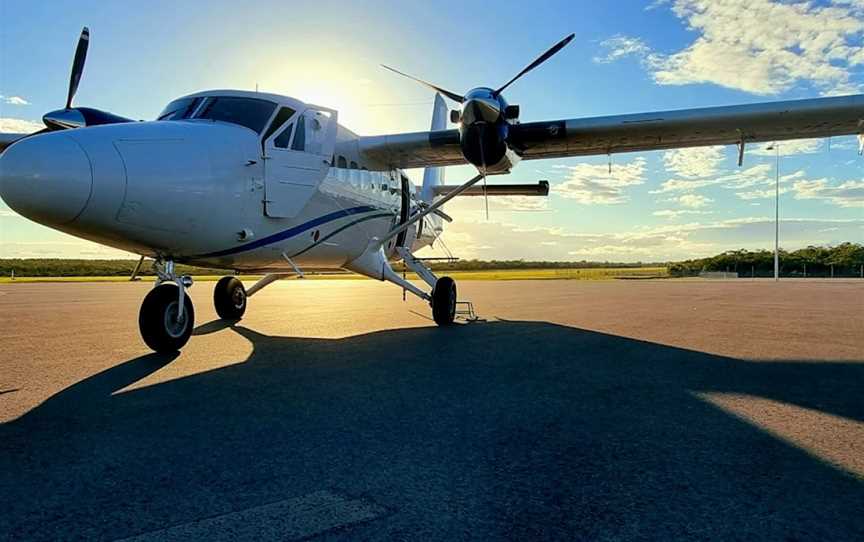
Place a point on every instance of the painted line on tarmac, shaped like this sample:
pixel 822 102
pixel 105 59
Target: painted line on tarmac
pixel 290 519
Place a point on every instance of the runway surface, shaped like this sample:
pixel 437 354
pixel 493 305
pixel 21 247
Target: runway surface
pixel 620 410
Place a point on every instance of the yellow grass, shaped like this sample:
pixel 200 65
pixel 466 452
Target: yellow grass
pixel 500 274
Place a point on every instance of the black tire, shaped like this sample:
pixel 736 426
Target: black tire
pixel 158 321
pixel 229 297
pixel 444 301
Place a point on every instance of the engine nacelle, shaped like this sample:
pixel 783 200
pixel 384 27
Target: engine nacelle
pixel 484 130
pixel 80 117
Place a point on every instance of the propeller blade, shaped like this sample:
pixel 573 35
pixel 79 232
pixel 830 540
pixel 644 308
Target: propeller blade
pixel 540 60
pixel 78 65
pixel 452 95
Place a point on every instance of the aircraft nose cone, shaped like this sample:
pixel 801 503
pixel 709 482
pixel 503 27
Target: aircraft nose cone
pixel 47 178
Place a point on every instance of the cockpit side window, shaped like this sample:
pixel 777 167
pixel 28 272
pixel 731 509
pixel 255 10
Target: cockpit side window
pixel 300 135
pixel 179 109
pixel 252 113
pixel 284 138
pixel 282 117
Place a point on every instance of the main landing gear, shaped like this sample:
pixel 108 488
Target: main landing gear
pixel 444 301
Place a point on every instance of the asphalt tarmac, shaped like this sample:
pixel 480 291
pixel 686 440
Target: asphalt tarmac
pixel 620 410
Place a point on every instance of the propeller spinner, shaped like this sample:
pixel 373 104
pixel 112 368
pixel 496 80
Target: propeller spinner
pixel 484 116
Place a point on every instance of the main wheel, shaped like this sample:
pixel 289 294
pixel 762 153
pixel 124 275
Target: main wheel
pixel 159 319
pixel 229 296
pixel 444 301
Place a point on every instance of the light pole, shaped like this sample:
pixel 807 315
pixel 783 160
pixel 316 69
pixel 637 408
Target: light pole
pixel 776 147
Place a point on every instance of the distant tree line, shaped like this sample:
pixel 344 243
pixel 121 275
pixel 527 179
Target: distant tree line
pixel 484 265
pixel 843 260
pixel 58 267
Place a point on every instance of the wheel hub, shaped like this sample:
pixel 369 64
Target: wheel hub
pixel 238 297
pixel 175 324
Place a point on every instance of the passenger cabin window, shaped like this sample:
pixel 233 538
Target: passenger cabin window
pixel 341 162
pixel 179 109
pixel 300 136
pixel 253 113
pixel 283 139
pixel 282 117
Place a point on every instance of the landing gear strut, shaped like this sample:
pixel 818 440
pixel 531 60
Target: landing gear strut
pixel 166 318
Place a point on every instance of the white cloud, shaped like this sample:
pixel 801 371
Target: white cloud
pixel 694 201
pixel 759 46
pixel 694 162
pixel 618 47
pixel 760 194
pixel 19 126
pixel 592 183
pixel 758 174
pixel 14 100
pixel 846 194
pixel 672 214
pixel 671 241
pixel 519 203
pixel 75 248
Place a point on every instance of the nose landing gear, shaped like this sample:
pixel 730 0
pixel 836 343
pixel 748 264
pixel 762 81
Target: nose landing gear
pixel 166 318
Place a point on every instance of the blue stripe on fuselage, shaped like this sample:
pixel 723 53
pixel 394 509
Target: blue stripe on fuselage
pixel 290 232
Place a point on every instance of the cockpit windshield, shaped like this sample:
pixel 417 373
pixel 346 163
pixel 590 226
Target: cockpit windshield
pixel 249 112
pixel 179 109
pixel 253 113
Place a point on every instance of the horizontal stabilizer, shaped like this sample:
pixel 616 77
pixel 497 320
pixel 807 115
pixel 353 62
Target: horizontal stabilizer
pixel 539 189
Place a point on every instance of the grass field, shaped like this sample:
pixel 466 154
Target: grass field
pixel 499 274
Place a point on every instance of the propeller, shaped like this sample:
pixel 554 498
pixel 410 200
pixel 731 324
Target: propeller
pixel 78 65
pixel 452 95
pixel 540 60
pixel 461 99
pixel 68 117
pixel 485 117
pixel 78 117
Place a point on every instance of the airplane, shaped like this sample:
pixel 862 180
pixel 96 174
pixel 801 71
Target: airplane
pixel 263 183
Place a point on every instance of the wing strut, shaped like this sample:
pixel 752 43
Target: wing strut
pixel 431 209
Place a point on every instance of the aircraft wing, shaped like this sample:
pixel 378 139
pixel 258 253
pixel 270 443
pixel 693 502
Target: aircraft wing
pixel 773 121
pixel 8 139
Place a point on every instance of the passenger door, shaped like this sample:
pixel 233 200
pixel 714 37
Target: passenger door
pixel 296 159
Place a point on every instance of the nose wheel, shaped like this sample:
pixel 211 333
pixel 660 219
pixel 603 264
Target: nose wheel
pixel 229 297
pixel 444 301
pixel 163 325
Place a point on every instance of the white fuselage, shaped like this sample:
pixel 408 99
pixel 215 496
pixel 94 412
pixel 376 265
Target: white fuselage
pixel 198 191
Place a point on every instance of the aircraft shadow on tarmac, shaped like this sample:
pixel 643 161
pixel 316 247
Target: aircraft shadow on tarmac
pixel 506 429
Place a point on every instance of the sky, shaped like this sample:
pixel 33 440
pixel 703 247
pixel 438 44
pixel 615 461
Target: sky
pixel 626 57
